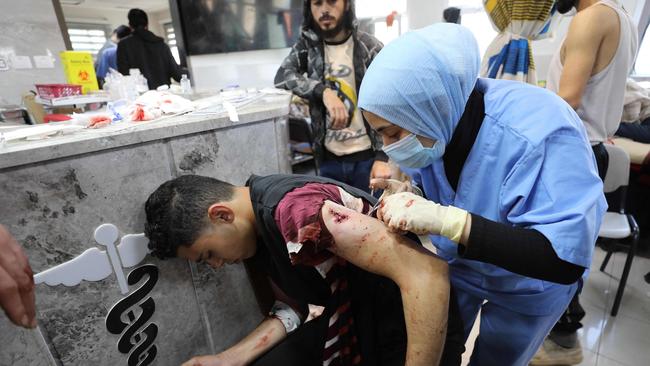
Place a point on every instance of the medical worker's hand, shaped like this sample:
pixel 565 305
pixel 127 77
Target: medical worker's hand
pixel 337 110
pixel 409 212
pixel 391 186
pixel 380 169
pixel 16 282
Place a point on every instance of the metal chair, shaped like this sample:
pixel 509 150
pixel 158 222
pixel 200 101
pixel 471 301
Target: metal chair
pixel 300 132
pixel 618 225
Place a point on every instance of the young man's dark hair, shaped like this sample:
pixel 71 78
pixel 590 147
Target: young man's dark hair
pixel 309 238
pixel 138 18
pixel 176 212
pixel 326 67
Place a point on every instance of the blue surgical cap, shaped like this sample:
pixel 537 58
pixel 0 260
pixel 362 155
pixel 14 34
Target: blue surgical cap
pixel 422 80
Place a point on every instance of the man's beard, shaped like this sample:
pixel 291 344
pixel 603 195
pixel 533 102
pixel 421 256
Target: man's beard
pixel 564 6
pixel 332 32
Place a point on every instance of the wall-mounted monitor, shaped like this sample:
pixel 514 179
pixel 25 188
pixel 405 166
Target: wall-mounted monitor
pixel 216 26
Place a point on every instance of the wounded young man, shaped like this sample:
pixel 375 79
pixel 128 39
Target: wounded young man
pixel 367 289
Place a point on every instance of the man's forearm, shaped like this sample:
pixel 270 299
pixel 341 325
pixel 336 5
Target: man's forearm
pixel 299 84
pixel 291 76
pixel 426 305
pixel 269 333
pixel 424 284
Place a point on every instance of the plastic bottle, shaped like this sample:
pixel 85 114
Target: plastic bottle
pixel 186 85
pixel 139 81
pixel 143 85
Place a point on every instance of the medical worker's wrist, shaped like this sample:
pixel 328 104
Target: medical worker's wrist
pixel 467 230
pixel 454 223
pixel 381 156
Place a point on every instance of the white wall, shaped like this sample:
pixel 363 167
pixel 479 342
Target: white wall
pixel 421 13
pixel 29 28
pixel 111 17
pixel 156 21
pixel 114 17
pixel 246 69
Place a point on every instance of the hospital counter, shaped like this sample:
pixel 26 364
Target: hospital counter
pixel 138 309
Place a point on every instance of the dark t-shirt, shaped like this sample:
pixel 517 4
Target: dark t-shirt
pixel 294 243
pixel 298 218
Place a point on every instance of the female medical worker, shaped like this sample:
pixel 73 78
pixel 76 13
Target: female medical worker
pixel 513 200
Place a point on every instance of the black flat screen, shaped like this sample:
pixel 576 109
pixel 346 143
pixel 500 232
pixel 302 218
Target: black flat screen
pixel 216 26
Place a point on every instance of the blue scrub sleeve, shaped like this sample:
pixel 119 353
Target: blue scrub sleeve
pixel 555 189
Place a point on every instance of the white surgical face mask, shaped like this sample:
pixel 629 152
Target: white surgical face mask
pixel 410 153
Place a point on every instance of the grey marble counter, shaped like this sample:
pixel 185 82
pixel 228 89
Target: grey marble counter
pixel 124 134
pixel 55 192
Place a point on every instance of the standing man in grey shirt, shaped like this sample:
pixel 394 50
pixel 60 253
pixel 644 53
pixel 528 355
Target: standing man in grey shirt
pixel 589 72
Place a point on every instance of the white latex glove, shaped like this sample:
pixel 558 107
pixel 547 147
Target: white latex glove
pixel 409 212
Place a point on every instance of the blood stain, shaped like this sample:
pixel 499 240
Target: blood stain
pixel 338 217
pixel 264 340
pixel 373 257
pixel 409 203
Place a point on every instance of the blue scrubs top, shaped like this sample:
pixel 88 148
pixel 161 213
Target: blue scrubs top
pixel 531 164
pixel 108 59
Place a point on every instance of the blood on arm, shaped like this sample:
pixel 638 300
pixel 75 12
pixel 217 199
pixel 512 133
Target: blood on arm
pixel 422 278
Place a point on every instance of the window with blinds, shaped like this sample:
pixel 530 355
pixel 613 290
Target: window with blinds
pixel 88 37
pixel 170 38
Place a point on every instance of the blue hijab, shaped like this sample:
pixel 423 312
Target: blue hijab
pixel 422 80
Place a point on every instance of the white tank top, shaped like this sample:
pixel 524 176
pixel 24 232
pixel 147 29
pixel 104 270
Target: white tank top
pixel 601 106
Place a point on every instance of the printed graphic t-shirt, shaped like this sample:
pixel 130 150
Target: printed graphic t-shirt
pixel 339 76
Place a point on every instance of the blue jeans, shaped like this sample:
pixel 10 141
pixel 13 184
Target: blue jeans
pixel 635 131
pixel 356 174
pixel 506 337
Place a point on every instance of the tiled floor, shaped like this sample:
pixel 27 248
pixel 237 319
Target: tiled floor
pixel 623 340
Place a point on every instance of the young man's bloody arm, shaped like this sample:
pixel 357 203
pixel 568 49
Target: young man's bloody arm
pixel 269 333
pixel 422 278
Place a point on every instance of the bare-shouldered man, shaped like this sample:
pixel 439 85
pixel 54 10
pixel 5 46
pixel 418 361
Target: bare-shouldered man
pixel 589 72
